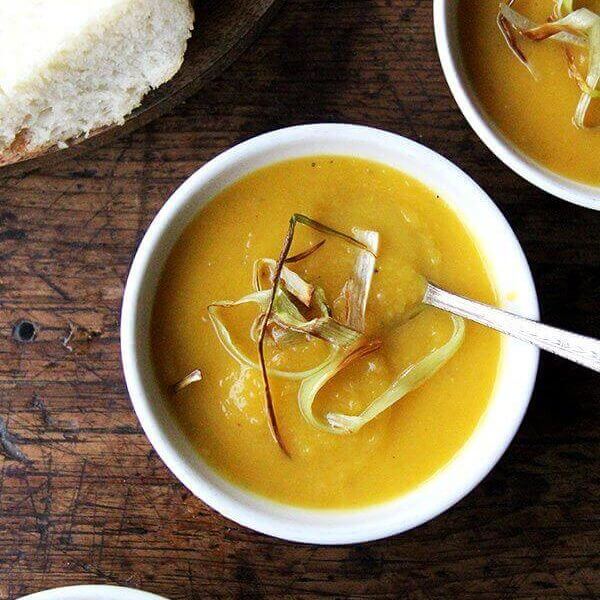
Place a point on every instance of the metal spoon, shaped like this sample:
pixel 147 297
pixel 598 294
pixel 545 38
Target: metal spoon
pixel 579 348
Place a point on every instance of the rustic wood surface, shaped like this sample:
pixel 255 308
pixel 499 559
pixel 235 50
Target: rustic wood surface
pixel 84 498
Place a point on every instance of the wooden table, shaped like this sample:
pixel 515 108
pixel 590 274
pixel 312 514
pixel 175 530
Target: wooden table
pixel 85 499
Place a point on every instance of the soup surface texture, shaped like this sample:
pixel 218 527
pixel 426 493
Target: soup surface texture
pixel 224 416
pixel 536 115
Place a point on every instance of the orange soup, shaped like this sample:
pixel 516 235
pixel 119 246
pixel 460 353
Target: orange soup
pixel 534 110
pixel 224 413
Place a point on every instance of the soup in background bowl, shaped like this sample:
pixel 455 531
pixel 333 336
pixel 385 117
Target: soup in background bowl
pixel 521 96
pixel 413 459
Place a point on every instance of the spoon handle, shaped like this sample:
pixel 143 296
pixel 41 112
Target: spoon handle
pixel 572 346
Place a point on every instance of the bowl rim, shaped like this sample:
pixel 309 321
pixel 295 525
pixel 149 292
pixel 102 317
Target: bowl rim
pixel 91 592
pixel 444 488
pixel 448 50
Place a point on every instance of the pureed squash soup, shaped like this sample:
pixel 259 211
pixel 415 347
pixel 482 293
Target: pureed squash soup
pixel 528 88
pixel 360 340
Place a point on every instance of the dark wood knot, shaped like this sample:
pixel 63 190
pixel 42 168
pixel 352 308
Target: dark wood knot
pixel 24 331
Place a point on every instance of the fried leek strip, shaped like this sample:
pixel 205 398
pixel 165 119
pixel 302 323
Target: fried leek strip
pixel 569 27
pixel 292 309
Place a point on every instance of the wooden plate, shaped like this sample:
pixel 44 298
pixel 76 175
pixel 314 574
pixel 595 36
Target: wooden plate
pixel 222 30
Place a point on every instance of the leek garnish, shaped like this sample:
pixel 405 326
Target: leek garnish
pixel 292 281
pixel 567 5
pixel 410 379
pixel 593 76
pixel 356 291
pixel 287 244
pixel 507 28
pixel 292 309
pixel 270 409
pixel 190 378
pixel 570 27
pixel 261 298
pixel 305 254
pixel 575 73
pixel 284 337
pixel 286 315
pixel 310 386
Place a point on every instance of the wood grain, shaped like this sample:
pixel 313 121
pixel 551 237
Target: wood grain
pixel 92 503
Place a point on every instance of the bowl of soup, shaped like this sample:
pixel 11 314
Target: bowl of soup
pixel 520 71
pixel 276 351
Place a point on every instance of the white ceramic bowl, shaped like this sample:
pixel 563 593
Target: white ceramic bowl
pixel 446 37
pixel 92 592
pixel 491 437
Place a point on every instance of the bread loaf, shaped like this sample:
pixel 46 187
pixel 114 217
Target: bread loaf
pixel 68 67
